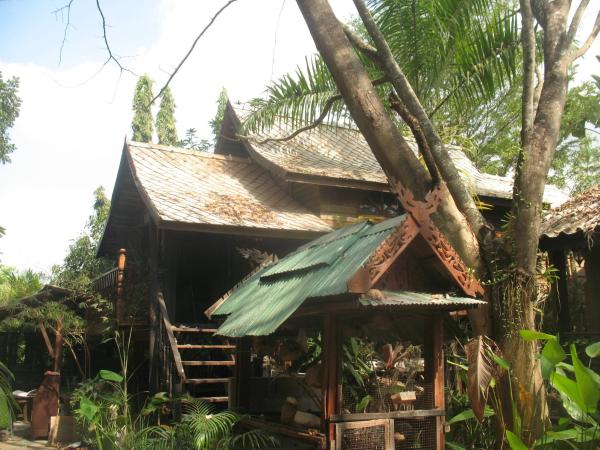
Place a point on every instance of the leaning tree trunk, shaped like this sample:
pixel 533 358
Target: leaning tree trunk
pixel 391 150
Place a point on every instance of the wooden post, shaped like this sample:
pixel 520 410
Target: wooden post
pixel 242 371
pixel 592 289
pixel 120 279
pixel 560 291
pixel 434 369
pixel 330 361
pixel 153 313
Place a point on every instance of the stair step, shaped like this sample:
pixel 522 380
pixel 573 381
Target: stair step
pixel 193 329
pixel 216 346
pixel 206 380
pixel 208 363
pixel 214 399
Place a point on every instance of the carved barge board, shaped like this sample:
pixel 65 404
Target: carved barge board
pixel 421 213
pixel 418 222
pixel 383 257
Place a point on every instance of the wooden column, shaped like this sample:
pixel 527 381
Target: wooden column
pixel 330 360
pixel 592 289
pixel 120 286
pixel 153 313
pixel 559 290
pixel 434 369
pixel 242 373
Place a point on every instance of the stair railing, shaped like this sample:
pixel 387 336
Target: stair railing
pixel 171 375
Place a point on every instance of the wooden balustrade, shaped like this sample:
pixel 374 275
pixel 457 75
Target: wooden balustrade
pixel 169 368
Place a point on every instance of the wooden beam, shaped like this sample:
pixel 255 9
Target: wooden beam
pixel 240 231
pixel 331 361
pixel 242 374
pixel 415 414
pixel 121 319
pixel 434 369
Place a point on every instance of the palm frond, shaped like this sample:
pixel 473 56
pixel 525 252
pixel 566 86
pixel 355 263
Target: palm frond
pixel 455 51
pixel 250 440
pixel 207 428
pixel 298 97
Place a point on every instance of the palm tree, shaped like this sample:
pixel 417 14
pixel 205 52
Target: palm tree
pixel 456 54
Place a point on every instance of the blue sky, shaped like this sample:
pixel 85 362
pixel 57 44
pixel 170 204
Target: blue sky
pixel 31 31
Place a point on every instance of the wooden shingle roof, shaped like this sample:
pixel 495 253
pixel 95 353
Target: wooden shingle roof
pixel 342 154
pixel 580 214
pixel 183 186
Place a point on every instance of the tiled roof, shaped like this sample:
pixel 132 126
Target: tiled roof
pixel 342 153
pixel 581 213
pixel 193 187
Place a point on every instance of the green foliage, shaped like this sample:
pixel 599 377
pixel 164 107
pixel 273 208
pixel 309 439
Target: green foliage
pixel 15 285
pixel 8 404
pixel 142 110
pixel 215 123
pixel 80 265
pixel 455 53
pixel 165 119
pixel 104 410
pixel 10 103
pixel 299 97
pixel 192 142
pixel 579 389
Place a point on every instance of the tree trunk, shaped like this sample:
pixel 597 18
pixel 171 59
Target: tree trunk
pixel 391 150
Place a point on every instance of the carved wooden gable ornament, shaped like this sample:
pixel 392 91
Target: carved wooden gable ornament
pixel 418 222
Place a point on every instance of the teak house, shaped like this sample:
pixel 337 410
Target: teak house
pixel 189 225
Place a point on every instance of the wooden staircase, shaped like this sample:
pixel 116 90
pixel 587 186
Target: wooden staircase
pixel 207 361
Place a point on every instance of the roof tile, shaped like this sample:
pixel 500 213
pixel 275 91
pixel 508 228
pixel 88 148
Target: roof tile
pixel 201 188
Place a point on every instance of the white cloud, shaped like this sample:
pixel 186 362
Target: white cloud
pixel 69 139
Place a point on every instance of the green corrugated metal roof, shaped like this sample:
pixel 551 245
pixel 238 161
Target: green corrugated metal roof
pixel 318 269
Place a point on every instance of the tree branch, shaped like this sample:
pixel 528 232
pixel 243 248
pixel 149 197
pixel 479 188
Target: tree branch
pixel 326 108
pixel 315 123
pixel 397 105
pixel 366 49
pixel 447 169
pixel 111 56
pixel 529 67
pixel 588 42
pixel 61 10
pixel 189 52
pixel 575 21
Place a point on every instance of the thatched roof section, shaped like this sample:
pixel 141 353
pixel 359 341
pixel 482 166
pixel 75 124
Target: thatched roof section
pixel 581 214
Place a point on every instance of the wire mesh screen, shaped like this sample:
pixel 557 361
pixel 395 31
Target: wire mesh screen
pixel 415 433
pixel 366 435
pixel 384 397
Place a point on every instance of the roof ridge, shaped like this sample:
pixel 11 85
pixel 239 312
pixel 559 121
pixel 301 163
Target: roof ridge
pixel 187 151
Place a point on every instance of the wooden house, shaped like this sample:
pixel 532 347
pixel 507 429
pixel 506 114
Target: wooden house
pixel 570 234
pixel 193 224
